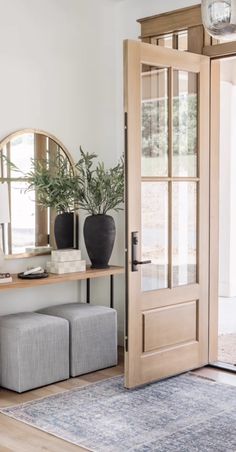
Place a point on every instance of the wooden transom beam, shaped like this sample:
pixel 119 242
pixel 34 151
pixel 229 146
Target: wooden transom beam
pixel 170 22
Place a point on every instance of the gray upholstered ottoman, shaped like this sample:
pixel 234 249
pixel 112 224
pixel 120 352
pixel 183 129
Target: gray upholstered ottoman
pixel 93 335
pixel 34 350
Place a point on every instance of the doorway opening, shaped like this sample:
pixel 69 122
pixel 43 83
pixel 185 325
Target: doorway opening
pixel 226 354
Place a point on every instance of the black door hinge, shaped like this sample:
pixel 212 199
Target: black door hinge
pixel 126 343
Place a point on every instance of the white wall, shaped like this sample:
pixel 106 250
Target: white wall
pixel 129 11
pixel 227 281
pixel 58 70
pixel 58 74
pixel 61 71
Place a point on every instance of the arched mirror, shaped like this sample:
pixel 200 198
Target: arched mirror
pixel 31 227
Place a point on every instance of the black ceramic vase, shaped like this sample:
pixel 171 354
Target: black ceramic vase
pixel 99 237
pixel 66 230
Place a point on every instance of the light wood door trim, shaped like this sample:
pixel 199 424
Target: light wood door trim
pixel 220 50
pixel 204 202
pixel 214 211
pixel 189 19
pixel 172 21
pixel 178 59
pixel 196 39
pixel 132 105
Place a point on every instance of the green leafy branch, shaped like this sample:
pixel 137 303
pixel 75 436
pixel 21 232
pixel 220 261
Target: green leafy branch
pixel 53 183
pixel 87 186
pixel 98 190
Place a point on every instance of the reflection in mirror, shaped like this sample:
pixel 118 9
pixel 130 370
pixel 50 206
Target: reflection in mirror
pixel 31 229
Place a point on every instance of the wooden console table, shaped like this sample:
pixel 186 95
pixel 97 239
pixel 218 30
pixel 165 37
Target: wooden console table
pixel 18 283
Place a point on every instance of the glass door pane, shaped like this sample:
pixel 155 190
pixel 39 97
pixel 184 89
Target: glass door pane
pixel 169 205
pixel 154 121
pixel 185 123
pixel 184 235
pixel 155 235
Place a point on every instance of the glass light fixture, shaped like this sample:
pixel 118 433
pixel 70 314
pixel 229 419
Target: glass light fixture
pixel 219 18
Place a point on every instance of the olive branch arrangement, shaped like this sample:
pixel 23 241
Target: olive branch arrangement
pixel 85 185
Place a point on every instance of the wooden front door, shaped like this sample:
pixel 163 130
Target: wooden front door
pixel 167 233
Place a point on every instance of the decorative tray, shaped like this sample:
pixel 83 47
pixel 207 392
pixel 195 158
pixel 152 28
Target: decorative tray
pixel 33 275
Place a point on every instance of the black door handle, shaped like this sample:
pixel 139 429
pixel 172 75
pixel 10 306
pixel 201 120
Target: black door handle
pixel 141 262
pixel 135 261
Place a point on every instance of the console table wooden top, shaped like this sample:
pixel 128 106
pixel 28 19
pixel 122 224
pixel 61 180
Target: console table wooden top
pixel 90 273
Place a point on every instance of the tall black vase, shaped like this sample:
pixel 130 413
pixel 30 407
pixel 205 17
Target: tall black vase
pixel 66 230
pixel 99 237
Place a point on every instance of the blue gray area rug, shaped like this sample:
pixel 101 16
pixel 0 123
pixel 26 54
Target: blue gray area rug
pixel 181 414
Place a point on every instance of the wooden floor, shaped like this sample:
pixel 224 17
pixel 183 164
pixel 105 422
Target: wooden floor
pixel 18 437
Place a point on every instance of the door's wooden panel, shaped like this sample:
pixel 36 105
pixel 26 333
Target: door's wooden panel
pixel 157 56
pixel 165 297
pixel 160 364
pixel 156 346
pixel 171 325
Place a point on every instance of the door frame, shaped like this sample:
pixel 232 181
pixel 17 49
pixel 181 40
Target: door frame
pixel 214 168
pixel 199 41
pixel 222 51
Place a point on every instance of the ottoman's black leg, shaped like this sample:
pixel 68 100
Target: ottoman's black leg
pixel 112 291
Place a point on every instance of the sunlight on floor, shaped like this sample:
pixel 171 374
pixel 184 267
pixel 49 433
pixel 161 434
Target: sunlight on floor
pixel 227 330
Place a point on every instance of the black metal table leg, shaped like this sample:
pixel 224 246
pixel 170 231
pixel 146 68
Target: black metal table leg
pixel 112 291
pixel 87 290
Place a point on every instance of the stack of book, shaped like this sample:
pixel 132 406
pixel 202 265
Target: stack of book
pixel 66 261
pixel 38 249
pixel 5 278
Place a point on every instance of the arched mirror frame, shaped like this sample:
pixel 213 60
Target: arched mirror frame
pixel 50 136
